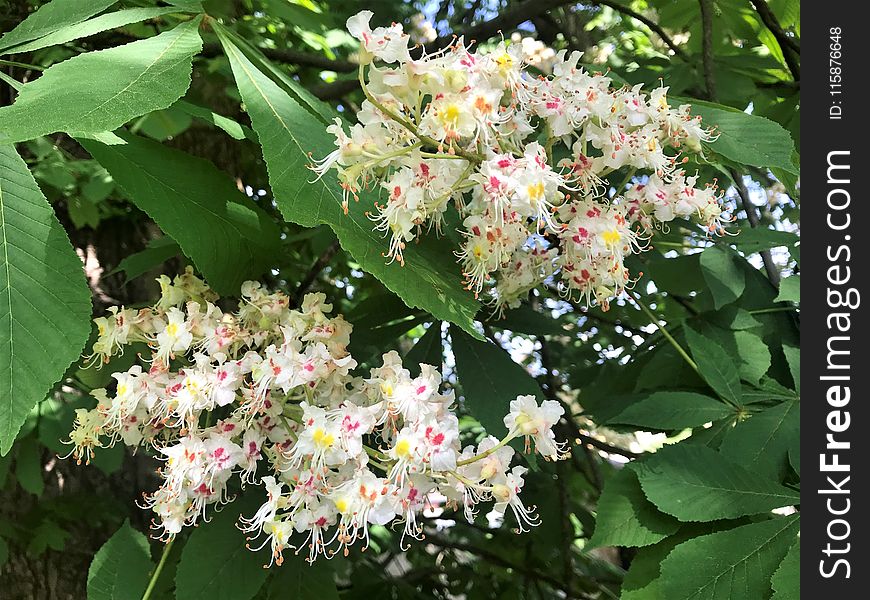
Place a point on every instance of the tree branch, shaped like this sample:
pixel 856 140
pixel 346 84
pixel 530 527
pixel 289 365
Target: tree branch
pixel 771 22
pixel 753 217
pixel 292 57
pixel 707 47
pixel 498 560
pixel 786 42
pixel 315 270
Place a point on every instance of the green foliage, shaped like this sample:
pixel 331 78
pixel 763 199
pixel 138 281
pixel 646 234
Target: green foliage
pixel 99 91
pixel 747 139
pixel 490 379
pixel 695 483
pixel 216 565
pixel 224 233
pixel 672 410
pixel 626 518
pixel 45 307
pixel 786 581
pixel 737 563
pixel 121 568
pixel 50 18
pixel 93 26
pixel 715 365
pixel 726 281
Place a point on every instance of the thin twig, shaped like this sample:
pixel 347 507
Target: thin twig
pixel 496 559
pixel 753 218
pixel 652 25
pixel 315 270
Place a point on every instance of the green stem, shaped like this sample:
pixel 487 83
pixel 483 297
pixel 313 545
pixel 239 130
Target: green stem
pixel 471 156
pixel 156 575
pixel 682 352
pixel 621 187
pixel 13 63
pixel 511 435
pixel 286 425
pixel 775 309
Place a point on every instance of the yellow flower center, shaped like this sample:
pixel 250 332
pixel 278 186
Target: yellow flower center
pixel 172 330
pixel 341 505
pixel 611 237
pixel 403 448
pixel 322 438
pixel 535 191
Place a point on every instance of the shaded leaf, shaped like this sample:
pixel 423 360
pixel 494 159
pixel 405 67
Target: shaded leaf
pixel 226 235
pixel 673 410
pixel 695 483
pixel 725 281
pixel 490 379
pixel 716 366
pixel 762 442
pixel 626 518
pixel 737 563
pixel 121 568
pixel 45 303
pixel 216 565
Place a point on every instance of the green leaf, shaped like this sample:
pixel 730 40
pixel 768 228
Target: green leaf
pixel 100 91
pixel 695 483
pixel 737 563
pixel 717 368
pixel 216 565
pixel 626 518
pixel 673 410
pixel 48 534
pixel 643 580
pixel 786 581
pixel 50 17
pixel 755 356
pixel 430 279
pixel 318 109
pixel 490 379
pixel 793 356
pixel 762 442
pixel 159 250
pixel 232 128
pixel 747 139
pixel 756 239
pixel 725 280
pixel 45 303
pixel 789 290
pixel 298 580
pixel 121 568
pixel 92 26
pixel 162 125
pixel 428 349
pixel 226 235
pixel 28 466
pixel 526 319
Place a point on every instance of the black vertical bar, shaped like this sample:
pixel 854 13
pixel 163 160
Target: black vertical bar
pixel 834 410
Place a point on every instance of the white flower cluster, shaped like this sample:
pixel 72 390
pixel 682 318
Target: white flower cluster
pixel 267 393
pixel 523 158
